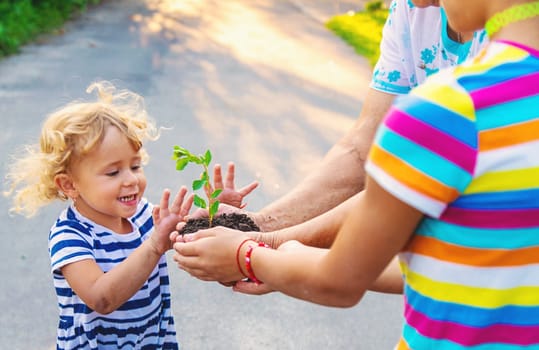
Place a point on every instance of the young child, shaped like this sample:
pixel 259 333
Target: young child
pixel 107 248
pixel 453 189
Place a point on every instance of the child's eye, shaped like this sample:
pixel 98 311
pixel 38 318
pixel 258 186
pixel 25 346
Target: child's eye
pixel 136 167
pixel 112 173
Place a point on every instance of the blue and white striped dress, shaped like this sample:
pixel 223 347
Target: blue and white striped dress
pixel 144 322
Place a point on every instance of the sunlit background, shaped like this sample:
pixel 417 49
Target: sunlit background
pixel 266 93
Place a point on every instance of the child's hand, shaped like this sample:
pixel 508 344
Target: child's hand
pixel 165 219
pixel 230 195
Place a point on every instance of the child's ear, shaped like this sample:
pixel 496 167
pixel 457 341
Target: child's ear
pixel 65 184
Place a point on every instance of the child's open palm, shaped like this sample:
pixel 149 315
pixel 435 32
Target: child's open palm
pixel 230 195
pixel 166 218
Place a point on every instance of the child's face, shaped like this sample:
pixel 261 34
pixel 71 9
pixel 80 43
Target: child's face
pixel 110 182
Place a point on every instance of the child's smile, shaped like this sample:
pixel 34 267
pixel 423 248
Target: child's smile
pixel 128 199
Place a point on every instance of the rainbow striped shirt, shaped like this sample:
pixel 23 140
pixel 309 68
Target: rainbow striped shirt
pixel 464 149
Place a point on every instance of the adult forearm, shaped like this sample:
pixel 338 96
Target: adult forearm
pixel 321 232
pixel 317 232
pixel 339 176
pixel 390 280
pixel 303 278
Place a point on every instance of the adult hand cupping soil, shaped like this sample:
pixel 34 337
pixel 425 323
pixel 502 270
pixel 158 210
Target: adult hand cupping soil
pixel 207 254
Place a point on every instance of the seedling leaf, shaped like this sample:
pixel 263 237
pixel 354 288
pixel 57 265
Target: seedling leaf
pixel 204 176
pixel 195 159
pixel 199 202
pixel 207 158
pixel 181 163
pixel 197 184
pixel 180 152
pixel 213 209
pixel 216 193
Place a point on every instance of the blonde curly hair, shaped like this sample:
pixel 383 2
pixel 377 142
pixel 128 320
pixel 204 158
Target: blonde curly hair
pixel 70 133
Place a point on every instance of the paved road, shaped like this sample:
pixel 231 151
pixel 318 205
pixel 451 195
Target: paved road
pixel 260 82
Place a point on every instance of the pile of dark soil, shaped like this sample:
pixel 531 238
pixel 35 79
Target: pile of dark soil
pixel 235 221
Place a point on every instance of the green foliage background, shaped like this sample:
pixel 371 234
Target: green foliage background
pixel 362 30
pixel 23 20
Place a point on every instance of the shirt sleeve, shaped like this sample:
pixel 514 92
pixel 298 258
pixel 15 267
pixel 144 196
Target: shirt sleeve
pixel 390 74
pixel 69 242
pixel 425 151
pixel 143 220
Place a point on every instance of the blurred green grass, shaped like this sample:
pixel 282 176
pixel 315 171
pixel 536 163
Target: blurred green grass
pixel 22 21
pixel 362 30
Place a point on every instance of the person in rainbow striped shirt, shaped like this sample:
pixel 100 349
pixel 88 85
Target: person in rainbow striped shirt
pixel 452 188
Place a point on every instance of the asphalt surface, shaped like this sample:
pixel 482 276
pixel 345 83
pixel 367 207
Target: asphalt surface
pixel 261 83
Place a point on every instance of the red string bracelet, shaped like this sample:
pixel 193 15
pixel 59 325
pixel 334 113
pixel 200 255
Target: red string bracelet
pixel 248 267
pixel 238 255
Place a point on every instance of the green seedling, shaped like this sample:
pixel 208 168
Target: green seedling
pixel 183 157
